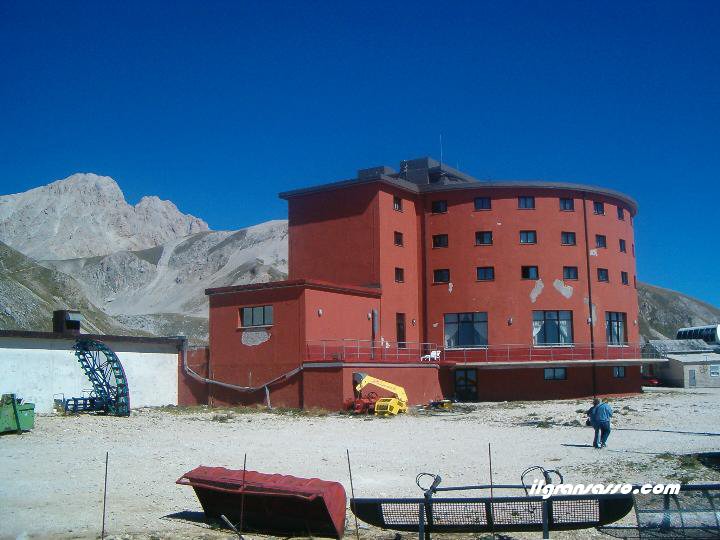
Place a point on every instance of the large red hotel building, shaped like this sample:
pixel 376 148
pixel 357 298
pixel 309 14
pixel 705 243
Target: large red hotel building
pixel 449 286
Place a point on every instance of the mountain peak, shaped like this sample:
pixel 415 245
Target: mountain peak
pixel 86 215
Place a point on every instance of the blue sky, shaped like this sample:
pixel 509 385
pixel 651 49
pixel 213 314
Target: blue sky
pixel 218 106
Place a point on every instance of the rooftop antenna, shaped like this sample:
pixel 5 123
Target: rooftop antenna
pixel 441 152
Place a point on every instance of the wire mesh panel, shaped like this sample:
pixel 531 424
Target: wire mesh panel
pixel 576 511
pixel 517 512
pixel 400 513
pixel 692 513
pixel 459 513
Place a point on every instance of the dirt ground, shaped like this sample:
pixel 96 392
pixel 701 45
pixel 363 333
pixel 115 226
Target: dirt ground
pixel 52 477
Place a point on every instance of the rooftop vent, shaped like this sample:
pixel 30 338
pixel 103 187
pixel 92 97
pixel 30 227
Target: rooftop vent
pixel 66 321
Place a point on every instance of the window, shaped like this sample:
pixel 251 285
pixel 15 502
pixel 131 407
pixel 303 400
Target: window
pixel 483 238
pixel 621 213
pixel 441 276
pixel 529 272
pixel 552 328
pixel 483 203
pixel 398 238
pixel 528 237
pixel 256 316
pixel 603 274
pixel 623 246
pixel 438 207
pixel 600 241
pixel 397 204
pixel 616 327
pixel 633 250
pixel 440 240
pixel 624 278
pixel 567 238
pixel 526 203
pixel 570 272
pixel 599 208
pixel 400 330
pixel 715 370
pixel 635 281
pixel 619 372
pixel 466 329
pixel 485 273
pixel 400 275
pixel 567 205
pixel 555 374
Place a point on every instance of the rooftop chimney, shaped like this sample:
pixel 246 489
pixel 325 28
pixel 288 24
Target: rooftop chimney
pixel 66 321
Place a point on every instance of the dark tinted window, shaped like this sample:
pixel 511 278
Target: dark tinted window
pixel 598 208
pixel 439 207
pixel 529 272
pixel 441 276
pixel 600 241
pixel 440 240
pixel 567 205
pixel 567 238
pixel 603 274
pixel 483 203
pixel 528 237
pixel 483 238
pixel 526 202
pixel 570 272
pixel 485 273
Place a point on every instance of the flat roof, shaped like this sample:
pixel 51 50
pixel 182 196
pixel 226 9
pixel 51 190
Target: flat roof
pixel 296 283
pixel 32 334
pixel 426 175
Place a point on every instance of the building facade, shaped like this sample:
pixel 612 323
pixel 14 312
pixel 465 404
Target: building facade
pixel 466 289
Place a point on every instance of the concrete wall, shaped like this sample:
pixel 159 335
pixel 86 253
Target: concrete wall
pixel 702 376
pixel 38 370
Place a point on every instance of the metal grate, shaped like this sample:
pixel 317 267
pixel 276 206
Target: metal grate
pixel 401 513
pixel 459 513
pixel 517 512
pixel 576 511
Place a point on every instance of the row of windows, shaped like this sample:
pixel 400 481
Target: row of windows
pixel 468 330
pixel 487 273
pixel 440 206
pixel 485 238
pixel 560 373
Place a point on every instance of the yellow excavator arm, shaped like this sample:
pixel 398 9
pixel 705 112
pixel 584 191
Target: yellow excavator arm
pixel 363 379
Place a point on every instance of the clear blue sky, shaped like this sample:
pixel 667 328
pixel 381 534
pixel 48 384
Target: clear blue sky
pixel 218 106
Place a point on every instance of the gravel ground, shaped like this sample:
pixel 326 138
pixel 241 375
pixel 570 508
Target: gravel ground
pixel 52 479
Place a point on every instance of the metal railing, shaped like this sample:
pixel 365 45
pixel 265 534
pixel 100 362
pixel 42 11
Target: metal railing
pixel 358 350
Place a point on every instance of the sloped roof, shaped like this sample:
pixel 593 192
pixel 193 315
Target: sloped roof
pixel 680 346
pixel 707 358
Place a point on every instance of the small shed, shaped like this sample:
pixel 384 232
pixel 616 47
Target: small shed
pixel 691 363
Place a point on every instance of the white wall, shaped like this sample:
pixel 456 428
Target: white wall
pixel 41 369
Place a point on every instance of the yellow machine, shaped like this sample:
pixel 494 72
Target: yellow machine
pixel 383 406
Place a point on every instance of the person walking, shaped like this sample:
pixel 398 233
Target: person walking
pixel 602 415
pixel 591 422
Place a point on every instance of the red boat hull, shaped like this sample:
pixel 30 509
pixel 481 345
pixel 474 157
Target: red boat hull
pixel 272 504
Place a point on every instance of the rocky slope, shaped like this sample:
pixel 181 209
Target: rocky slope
pixel 663 311
pixel 85 215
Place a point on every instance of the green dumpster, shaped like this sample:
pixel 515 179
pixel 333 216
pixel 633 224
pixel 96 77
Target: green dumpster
pixel 16 415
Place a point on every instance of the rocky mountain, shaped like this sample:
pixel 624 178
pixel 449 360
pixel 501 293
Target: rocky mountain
pixel 85 215
pixel 663 311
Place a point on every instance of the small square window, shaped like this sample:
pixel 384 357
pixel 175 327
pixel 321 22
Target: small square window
pixel 439 207
pixel 485 273
pixel 256 316
pixel 526 203
pixel 400 275
pixel 599 208
pixel 397 204
pixel 570 272
pixel 715 370
pixel 555 374
pixel 483 238
pixel 528 237
pixel 441 276
pixel 623 246
pixel 567 205
pixel 440 241
pixel 529 272
pixel 600 241
pixel 619 372
pixel 567 238
pixel 399 238
pixel 624 278
pixel 483 203
pixel 621 213
pixel 602 274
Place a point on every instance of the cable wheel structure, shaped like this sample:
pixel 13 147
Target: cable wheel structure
pixel 110 393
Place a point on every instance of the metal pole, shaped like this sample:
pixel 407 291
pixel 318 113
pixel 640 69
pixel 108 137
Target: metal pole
pixel 107 457
pixel 242 496
pixel 352 494
pixel 545 519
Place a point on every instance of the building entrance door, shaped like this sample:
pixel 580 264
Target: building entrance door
pixel 466 385
pixel 691 377
pixel 400 330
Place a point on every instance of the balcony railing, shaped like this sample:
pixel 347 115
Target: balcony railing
pixel 354 350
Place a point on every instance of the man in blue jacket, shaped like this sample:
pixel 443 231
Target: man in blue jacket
pixel 602 416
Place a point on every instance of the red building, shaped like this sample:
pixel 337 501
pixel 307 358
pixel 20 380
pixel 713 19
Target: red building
pixel 450 286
